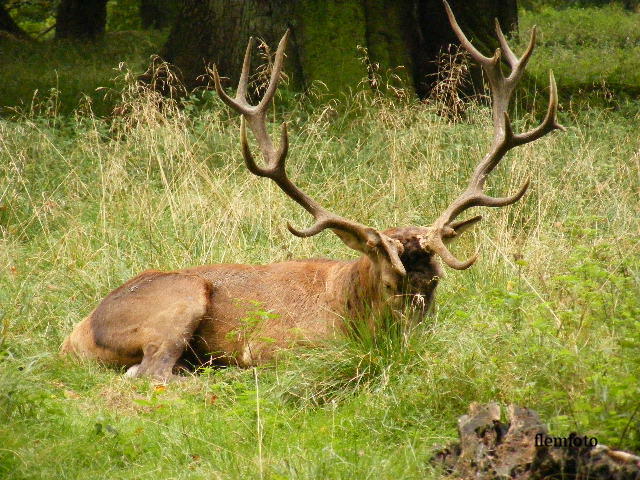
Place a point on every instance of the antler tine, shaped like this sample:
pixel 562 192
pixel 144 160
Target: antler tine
pixel 464 41
pixel 509 56
pixel 239 104
pixel 437 246
pixel 504 138
pixel 275 160
pixel 487 201
pixel 517 64
pixel 550 121
pixel 243 82
pixel 275 73
pixel 279 157
pixel 524 59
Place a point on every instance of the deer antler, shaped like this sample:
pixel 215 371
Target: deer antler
pixel 274 159
pixel 504 139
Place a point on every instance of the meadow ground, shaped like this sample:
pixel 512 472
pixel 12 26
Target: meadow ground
pixel 547 318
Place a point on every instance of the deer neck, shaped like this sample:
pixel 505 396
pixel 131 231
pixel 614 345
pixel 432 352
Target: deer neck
pixel 355 288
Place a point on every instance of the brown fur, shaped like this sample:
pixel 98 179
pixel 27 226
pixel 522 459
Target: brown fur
pixel 243 314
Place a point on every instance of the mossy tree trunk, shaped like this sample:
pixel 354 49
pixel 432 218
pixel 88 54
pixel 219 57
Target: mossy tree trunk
pixel 157 13
pixel 325 36
pixel 81 19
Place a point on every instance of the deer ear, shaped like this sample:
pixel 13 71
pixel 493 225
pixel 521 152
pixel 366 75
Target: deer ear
pixel 375 244
pixel 455 229
pixel 392 249
pixel 353 241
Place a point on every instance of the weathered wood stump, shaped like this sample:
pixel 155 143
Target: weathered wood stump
pixel 522 449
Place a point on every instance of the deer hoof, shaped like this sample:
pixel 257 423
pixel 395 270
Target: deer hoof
pixel 132 372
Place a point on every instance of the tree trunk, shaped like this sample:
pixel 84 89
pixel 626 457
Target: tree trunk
pixel 325 36
pixel 8 24
pixel 157 13
pixel 81 19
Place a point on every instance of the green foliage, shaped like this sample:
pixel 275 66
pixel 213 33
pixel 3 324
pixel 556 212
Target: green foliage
pixel 123 15
pixel 603 295
pixel 560 4
pixel 252 323
pixel 34 16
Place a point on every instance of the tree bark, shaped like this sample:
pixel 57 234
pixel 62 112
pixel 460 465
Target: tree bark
pixel 325 36
pixel 157 13
pixel 81 19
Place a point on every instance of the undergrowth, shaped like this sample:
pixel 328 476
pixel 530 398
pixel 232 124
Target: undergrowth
pixel 593 51
pixel 75 73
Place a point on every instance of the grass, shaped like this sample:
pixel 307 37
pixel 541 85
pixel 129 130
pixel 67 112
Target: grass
pixel 71 72
pixel 595 52
pixel 547 318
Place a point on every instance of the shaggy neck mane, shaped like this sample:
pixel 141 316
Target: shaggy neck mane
pixel 355 287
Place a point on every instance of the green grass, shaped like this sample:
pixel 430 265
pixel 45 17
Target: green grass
pixel 548 317
pixel 594 51
pixel 86 205
pixel 71 71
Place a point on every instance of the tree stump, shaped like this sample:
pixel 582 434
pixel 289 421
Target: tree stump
pixel 522 449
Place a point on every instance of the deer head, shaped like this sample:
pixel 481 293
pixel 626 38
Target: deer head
pixel 402 260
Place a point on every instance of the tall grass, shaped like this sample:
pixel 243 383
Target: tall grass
pixel 548 317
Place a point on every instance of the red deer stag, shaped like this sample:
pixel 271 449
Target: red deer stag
pixel 148 323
